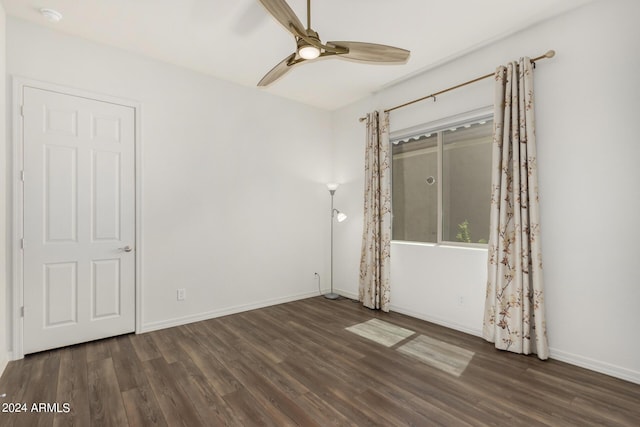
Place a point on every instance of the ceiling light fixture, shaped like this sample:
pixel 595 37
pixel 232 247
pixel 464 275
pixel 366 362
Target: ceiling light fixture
pixel 51 15
pixel 307 51
pixel 309 46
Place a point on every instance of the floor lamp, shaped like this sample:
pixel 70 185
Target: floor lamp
pixel 338 216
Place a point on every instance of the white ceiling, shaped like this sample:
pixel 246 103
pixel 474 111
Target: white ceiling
pixel 237 40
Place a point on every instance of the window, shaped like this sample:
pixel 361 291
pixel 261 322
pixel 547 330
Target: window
pixel 441 184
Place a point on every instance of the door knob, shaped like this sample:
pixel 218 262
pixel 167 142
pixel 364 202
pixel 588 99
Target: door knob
pixel 127 248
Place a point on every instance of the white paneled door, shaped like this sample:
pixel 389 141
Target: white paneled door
pixel 79 219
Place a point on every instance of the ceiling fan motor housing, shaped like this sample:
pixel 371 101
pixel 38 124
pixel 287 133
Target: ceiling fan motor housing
pixel 310 34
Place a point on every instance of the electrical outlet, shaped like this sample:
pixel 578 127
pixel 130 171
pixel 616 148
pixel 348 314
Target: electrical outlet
pixel 182 294
pixel 460 300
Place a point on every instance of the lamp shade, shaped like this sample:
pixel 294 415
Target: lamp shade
pixel 341 216
pixel 332 186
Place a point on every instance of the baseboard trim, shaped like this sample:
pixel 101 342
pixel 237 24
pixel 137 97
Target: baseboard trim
pixel 346 294
pixel 595 365
pixel 421 316
pixel 436 320
pixel 178 321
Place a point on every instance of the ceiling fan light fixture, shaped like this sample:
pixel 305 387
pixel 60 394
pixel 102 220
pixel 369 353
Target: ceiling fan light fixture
pixel 309 46
pixel 307 51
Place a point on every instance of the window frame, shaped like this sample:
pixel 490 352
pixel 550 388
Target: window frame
pixel 438 126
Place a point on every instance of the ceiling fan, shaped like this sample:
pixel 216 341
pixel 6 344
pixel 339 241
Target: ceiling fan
pixel 310 47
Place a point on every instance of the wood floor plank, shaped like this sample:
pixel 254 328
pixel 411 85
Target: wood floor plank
pixel 206 336
pixel 275 373
pixel 330 389
pixel 98 350
pixel 322 411
pixel 493 382
pixel 175 404
pixel 297 364
pixel 166 341
pixel 273 400
pixel 144 347
pixel 249 412
pixel 614 400
pixel 323 339
pixel 208 403
pixel 247 332
pixel 142 408
pixel 105 399
pixel 394 412
pixel 73 388
pixel 604 413
pixel 222 380
pixel 129 369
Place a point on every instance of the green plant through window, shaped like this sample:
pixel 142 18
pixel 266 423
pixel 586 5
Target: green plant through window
pixel 464 233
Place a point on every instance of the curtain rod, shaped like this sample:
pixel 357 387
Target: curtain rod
pixel 549 54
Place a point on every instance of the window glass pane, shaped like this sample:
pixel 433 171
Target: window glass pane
pixel 415 189
pixel 466 182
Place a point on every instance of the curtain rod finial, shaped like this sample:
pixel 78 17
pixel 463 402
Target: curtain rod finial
pixel 550 54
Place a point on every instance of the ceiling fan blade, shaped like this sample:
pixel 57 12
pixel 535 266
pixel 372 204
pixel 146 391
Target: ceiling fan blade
pixel 280 10
pixel 371 52
pixel 279 70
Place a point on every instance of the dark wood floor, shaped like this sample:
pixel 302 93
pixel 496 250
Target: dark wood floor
pixel 294 364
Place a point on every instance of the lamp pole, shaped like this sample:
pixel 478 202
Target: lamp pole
pixel 331 295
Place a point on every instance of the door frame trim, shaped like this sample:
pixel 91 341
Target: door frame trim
pixel 17 198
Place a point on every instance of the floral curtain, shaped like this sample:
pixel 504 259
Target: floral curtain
pixel 376 237
pixel 514 307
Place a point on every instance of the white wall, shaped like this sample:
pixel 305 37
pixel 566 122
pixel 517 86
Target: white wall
pixel 4 260
pixel 234 206
pixel 588 102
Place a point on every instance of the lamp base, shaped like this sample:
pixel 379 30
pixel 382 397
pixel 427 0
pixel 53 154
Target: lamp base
pixel 331 296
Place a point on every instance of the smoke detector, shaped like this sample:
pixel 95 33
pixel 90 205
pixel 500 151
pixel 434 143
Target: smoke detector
pixel 51 15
